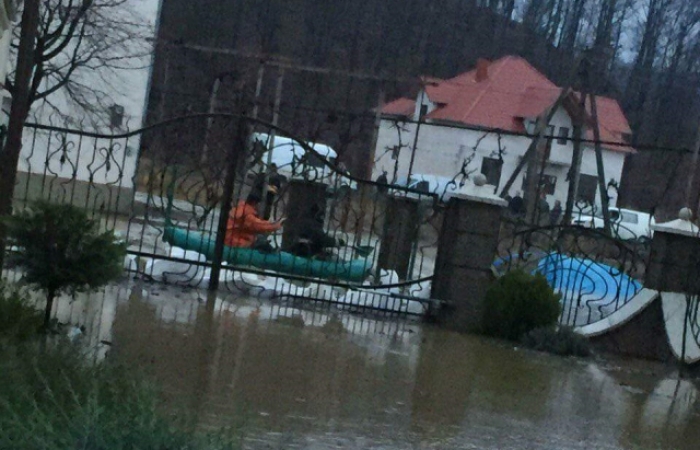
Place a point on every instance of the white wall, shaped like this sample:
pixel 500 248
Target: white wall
pixel 6 25
pixel 87 159
pixel 423 99
pixel 440 150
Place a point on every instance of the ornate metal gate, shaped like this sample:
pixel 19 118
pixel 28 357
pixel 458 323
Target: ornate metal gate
pixel 594 273
pixel 177 181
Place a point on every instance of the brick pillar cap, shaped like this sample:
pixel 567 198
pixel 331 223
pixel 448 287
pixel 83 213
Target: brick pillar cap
pixel 681 226
pixel 482 194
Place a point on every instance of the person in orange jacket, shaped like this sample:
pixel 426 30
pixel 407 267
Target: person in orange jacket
pixel 244 225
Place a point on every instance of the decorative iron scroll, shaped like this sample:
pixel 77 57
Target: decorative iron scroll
pixel 175 174
pixel 595 274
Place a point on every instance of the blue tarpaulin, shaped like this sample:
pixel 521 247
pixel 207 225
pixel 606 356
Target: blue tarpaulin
pixel 581 277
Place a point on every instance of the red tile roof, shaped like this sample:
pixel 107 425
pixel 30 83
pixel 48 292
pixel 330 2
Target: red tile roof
pixel 613 123
pixel 400 107
pixel 513 90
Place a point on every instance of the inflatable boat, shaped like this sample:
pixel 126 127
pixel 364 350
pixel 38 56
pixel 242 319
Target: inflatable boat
pixel 355 270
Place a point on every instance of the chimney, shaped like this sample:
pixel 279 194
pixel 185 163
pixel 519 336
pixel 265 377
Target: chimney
pixel 482 70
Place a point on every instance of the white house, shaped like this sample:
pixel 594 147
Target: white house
pixel 8 12
pixel 87 170
pixel 459 119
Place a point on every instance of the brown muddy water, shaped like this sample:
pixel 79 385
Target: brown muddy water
pixel 297 377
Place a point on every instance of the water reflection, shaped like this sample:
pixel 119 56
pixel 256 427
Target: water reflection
pixel 294 377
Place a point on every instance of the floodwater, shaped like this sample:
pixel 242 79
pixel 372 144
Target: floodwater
pixel 294 377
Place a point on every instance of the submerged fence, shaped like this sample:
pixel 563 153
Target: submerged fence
pixel 168 191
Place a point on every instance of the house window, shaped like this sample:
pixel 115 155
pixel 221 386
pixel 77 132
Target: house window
pixel 116 116
pixel 423 186
pixel 629 217
pixel 563 135
pixel 529 126
pixel 491 168
pixel 587 188
pixel 312 160
pixel 548 138
pixel 548 184
pixel 423 110
pixel 395 152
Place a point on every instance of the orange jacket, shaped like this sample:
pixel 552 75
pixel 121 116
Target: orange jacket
pixel 244 224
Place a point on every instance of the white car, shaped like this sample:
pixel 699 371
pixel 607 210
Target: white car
pixel 625 224
pixel 294 162
pixel 443 187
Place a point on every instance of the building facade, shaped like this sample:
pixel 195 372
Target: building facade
pixel 8 13
pixel 483 120
pixel 65 165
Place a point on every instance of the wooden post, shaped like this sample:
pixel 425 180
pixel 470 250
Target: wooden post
pixel 601 168
pixel 532 176
pixel 258 89
pixel 375 133
pixel 413 150
pixel 575 171
pixel 212 109
pixel 273 132
pixel 539 131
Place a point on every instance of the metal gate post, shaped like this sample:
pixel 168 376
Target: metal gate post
pixel 234 154
pixel 303 196
pixel 400 237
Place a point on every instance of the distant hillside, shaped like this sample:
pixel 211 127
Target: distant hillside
pixel 394 39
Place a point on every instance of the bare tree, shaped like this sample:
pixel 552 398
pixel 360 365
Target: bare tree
pixel 84 50
pixel 9 155
pixel 69 49
pixel 642 70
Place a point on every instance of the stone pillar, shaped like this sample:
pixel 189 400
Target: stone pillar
pixel 675 256
pixel 303 196
pixel 467 248
pixel 401 224
pixel 673 271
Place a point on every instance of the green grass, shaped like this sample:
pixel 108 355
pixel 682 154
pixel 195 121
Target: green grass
pixel 50 398
pixel 19 318
pixel 517 303
pixel 53 398
pixel 559 341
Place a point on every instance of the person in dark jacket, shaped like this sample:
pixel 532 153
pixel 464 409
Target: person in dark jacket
pixel 274 186
pixel 312 240
pixel 383 181
pixel 555 213
pixel 516 205
pixel 543 210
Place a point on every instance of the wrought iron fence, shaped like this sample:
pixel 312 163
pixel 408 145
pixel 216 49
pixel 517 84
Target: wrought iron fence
pixel 175 193
pixel 594 273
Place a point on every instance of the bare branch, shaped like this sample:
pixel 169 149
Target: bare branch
pixel 83 48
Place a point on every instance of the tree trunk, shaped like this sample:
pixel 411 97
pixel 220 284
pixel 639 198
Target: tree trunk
pixel 640 78
pixel 601 168
pixel 576 159
pixel 50 296
pixel 9 156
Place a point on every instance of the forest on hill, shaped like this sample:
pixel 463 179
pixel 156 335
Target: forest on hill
pixel 646 55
